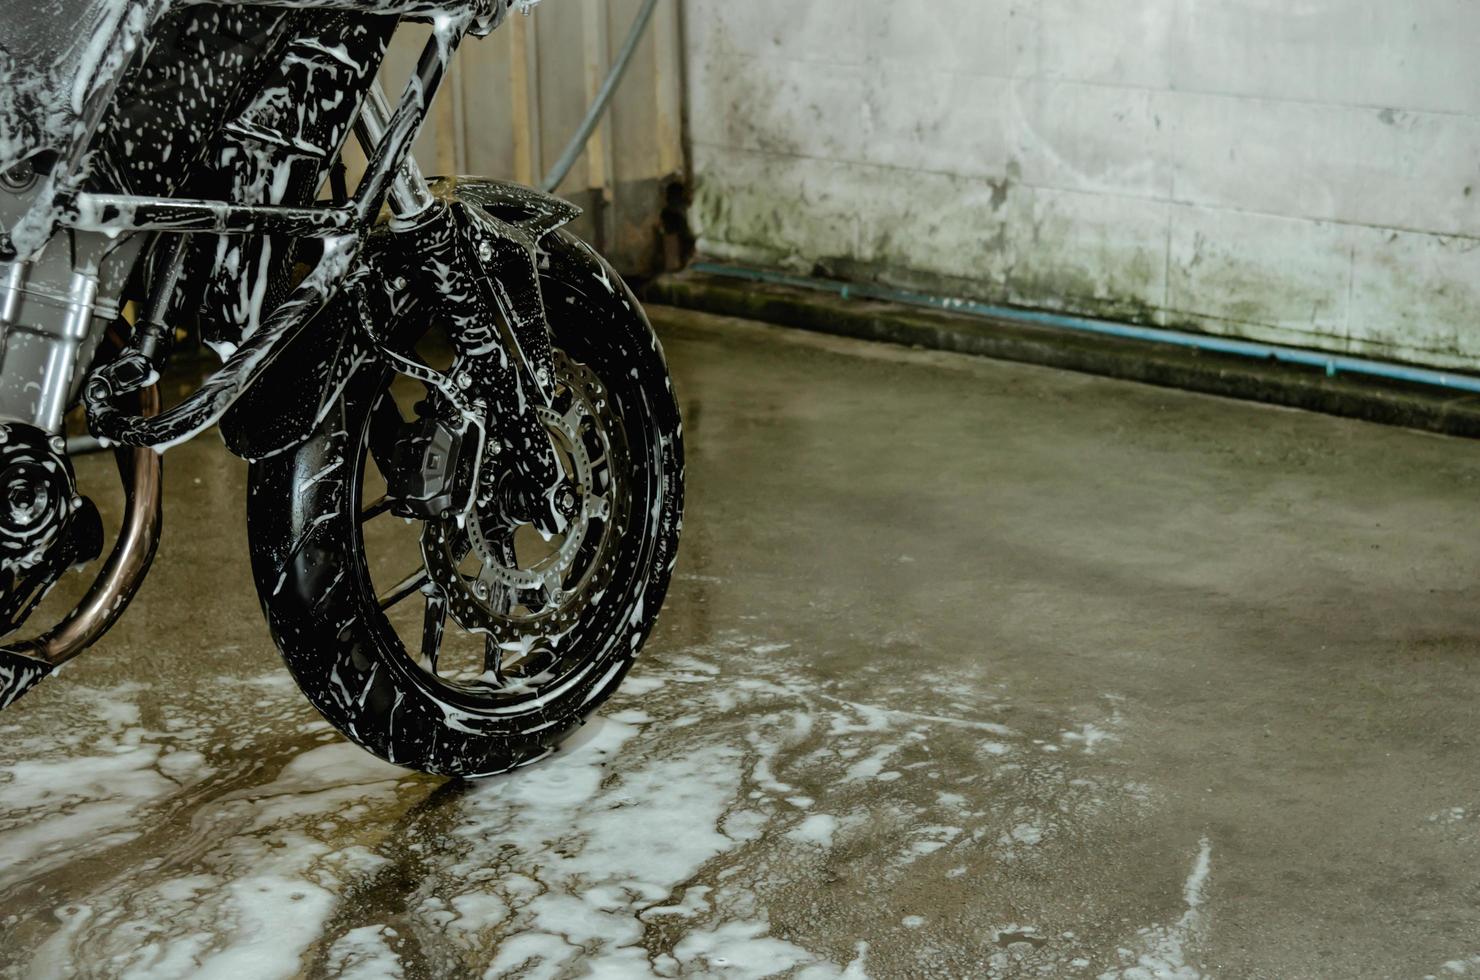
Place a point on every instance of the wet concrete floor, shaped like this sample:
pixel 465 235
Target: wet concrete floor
pixel 970 669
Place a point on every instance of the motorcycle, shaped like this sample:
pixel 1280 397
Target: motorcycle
pixel 440 351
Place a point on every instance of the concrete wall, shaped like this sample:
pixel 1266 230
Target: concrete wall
pixel 512 101
pixel 1302 171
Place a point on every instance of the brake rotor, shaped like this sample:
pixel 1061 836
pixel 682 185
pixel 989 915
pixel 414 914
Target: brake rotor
pixel 502 577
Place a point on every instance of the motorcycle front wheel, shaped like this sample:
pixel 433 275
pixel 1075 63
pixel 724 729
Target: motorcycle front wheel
pixel 471 647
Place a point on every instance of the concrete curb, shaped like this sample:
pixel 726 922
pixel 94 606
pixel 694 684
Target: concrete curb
pixel 1373 400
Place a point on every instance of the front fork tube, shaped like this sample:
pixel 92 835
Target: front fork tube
pixel 409 194
pixel 492 381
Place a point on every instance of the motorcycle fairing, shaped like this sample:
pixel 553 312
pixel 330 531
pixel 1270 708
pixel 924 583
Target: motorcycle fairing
pixel 60 62
pixel 53 53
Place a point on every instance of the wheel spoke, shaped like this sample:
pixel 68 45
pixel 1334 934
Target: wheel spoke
pixel 500 598
pixel 378 507
pixel 431 629
pixel 599 508
pixel 551 589
pixel 408 585
pixel 493 660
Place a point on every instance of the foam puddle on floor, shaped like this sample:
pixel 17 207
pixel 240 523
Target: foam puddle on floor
pixel 745 821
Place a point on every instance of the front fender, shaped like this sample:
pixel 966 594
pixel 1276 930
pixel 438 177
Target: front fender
pixel 307 376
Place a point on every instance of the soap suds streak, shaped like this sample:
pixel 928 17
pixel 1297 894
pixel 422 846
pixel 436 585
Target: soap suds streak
pixel 647 847
pixel 1166 951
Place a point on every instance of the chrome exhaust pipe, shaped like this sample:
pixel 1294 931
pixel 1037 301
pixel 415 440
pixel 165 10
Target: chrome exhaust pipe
pixel 142 472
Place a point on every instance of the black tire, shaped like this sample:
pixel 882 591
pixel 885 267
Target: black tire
pixel 308 556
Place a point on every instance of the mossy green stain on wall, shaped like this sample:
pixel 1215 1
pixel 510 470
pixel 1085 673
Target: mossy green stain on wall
pixel 1319 284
